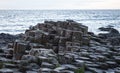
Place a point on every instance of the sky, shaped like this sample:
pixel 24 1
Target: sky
pixel 59 4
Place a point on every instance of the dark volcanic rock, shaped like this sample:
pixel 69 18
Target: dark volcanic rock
pixel 6 70
pixel 59 36
pixel 114 31
pixel 61 47
pixel 114 40
pixel 106 29
pixel 111 32
pixel 7 38
pixel 109 29
pixel 112 37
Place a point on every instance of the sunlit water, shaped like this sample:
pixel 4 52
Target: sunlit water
pixel 17 21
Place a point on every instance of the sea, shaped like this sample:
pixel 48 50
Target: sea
pixel 17 21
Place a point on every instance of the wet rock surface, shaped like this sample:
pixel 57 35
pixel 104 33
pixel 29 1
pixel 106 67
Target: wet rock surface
pixel 113 36
pixel 7 38
pixel 61 47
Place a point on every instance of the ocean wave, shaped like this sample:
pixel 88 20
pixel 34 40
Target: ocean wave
pixel 10 20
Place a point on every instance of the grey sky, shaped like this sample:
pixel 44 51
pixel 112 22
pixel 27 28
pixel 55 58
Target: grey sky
pixel 59 4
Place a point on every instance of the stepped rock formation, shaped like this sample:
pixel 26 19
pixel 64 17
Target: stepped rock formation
pixel 60 36
pixel 61 47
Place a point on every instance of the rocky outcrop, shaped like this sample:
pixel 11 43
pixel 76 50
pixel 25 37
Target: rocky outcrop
pixel 59 36
pixel 7 38
pixel 61 47
pixel 112 37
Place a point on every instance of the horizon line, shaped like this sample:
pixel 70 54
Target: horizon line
pixel 59 9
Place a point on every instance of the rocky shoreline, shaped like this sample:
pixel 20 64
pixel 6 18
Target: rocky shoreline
pixel 60 47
